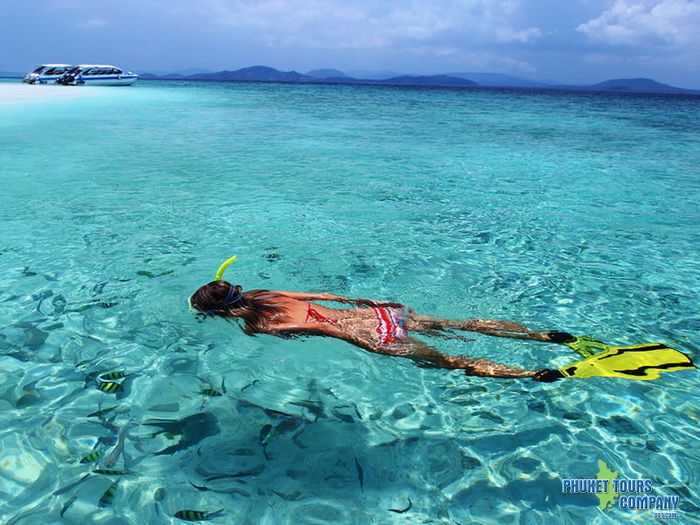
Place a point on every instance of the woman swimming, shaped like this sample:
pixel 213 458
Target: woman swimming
pixel 380 327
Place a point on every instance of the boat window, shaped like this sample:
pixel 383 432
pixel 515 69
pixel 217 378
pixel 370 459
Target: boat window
pixel 39 69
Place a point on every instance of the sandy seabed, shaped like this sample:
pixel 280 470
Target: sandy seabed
pixel 11 92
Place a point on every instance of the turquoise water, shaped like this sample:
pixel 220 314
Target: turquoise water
pixel 556 210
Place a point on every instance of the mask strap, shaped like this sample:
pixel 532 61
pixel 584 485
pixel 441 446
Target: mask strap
pixel 231 296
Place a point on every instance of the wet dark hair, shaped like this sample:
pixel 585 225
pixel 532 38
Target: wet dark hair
pixel 224 299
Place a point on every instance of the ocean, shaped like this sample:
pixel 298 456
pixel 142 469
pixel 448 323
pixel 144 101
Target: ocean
pixel 558 210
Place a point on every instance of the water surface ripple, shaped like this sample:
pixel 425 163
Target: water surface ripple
pixel 569 211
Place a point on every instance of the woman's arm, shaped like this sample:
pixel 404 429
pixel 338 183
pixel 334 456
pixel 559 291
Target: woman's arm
pixel 325 296
pixel 319 296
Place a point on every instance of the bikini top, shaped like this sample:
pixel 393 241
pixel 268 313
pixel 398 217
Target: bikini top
pixel 313 313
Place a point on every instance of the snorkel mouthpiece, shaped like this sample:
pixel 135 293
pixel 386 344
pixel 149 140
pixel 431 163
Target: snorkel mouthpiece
pixel 219 275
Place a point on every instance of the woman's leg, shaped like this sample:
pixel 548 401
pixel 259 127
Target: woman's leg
pixel 426 356
pixel 426 323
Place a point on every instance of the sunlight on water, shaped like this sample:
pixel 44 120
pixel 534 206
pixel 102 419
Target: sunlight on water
pixel 568 211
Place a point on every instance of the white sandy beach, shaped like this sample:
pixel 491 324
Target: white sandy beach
pixel 11 92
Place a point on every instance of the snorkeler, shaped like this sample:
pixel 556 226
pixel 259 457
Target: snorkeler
pixel 377 326
pixel 384 328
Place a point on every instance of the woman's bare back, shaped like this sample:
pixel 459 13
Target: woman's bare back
pixel 354 325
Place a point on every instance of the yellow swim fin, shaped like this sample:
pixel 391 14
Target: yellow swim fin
pixel 585 346
pixel 643 362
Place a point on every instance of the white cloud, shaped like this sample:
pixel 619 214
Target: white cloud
pixel 93 23
pixel 671 23
pixel 354 24
pixel 507 34
pixel 459 34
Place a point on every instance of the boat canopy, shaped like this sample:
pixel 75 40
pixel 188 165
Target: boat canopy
pixel 52 69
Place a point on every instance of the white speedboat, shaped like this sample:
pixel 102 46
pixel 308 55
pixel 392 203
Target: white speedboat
pixel 46 74
pixel 97 75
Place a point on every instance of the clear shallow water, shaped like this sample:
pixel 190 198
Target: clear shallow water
pixel 569 211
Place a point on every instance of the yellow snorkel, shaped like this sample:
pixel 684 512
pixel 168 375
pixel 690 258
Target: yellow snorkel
pixel 218 276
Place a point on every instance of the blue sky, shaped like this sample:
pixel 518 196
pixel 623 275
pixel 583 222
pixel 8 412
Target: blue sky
pixel 566 40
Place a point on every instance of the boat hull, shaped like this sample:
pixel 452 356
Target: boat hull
pixel 121 80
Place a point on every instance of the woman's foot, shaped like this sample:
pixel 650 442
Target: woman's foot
pixel 561 338
pixel 547 375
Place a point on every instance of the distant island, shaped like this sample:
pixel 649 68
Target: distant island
pixel 268 74
pixel 336 76
pixel 454 79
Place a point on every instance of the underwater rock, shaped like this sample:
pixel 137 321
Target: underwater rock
pixel 403 411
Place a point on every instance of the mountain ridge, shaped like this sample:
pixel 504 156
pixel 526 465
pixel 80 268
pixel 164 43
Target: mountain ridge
pixel 260 73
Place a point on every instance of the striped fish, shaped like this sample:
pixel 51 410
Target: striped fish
pixel 67 505
pixel 113 456
pixel 211 392
pixel 70 486
pixel 113 375
pixel 102 412
pixel 93 456
pixel 108 497
pixel 111 472
pixel 108 387
pixel 197 515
